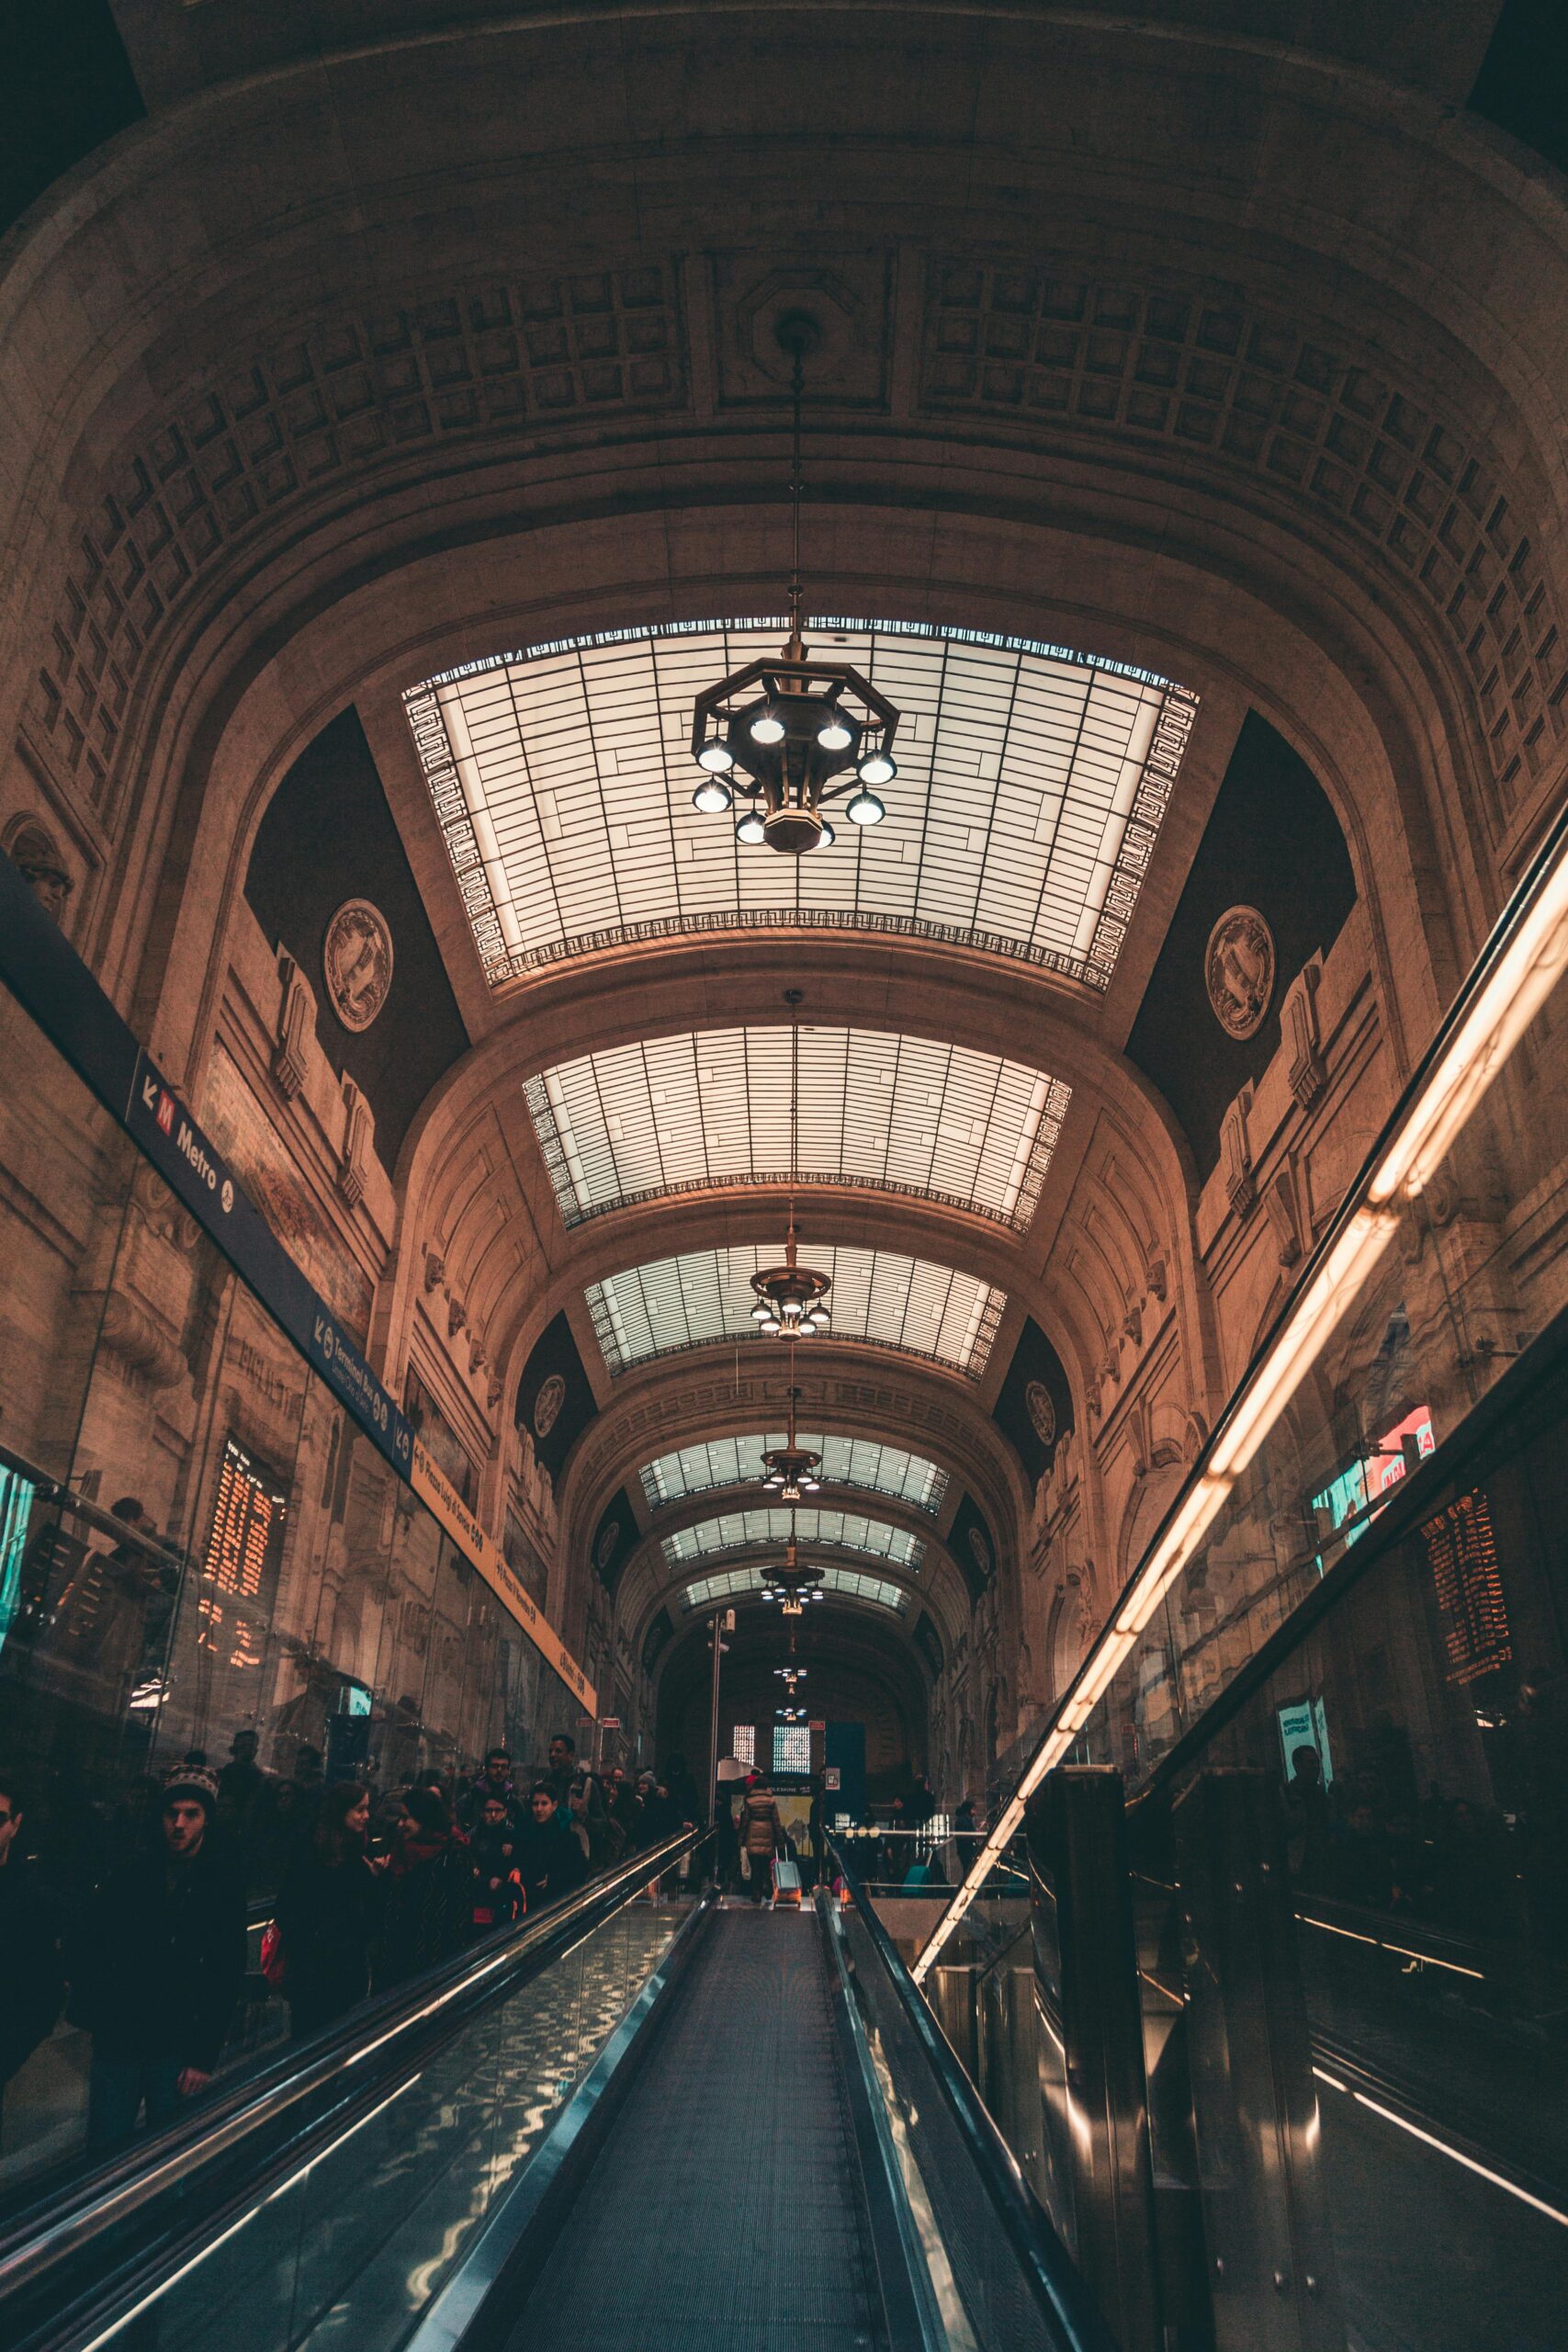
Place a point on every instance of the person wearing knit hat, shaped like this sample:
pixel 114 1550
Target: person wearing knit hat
pixel 196 1783
pixel 159 1959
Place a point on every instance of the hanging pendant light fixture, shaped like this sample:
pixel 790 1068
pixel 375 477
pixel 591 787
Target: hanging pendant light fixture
pixel 792 1299
pixel 792 1468
pixel 779 738
pixel 792 1586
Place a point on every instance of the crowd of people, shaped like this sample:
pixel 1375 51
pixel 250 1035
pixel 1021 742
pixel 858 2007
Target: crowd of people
pixel 146 1950
pixel 1368 1841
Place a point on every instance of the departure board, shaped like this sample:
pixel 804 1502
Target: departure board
pixel 245 1548
pixel 1472 1615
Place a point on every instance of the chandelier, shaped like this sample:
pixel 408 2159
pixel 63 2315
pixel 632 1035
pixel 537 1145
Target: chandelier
pixel 792 1299
pixel 792 1468
pixel 791 1675
pixel 785 736
pixel 792 1586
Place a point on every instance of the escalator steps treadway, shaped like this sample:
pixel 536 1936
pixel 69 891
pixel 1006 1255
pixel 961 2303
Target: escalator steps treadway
pixel 725 2212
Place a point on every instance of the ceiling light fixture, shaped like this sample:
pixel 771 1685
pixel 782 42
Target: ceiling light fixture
pixel 792 1586
pixel 792 1468
pixel 790 733
pixel 792 1299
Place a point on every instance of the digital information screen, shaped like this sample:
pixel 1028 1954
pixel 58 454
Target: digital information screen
pixel 245 1550
pixel 1472 1615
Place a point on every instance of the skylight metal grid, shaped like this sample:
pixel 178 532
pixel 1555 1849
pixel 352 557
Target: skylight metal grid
pixel 904 1114
pixel 1033 781
pixel 774 1526
pixel 878 1297
pixel 741 1584
pixel 846 1461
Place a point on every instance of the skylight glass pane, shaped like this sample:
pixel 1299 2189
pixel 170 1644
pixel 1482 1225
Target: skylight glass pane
pixel 730 1530
pixel 908 1114
pixel 738 1584
pixel 846 1461
pixel 1032 783
pixel 855 1586
pixel 878 1297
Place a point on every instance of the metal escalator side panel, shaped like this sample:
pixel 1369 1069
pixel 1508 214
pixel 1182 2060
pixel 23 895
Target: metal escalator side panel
pixel 919 2299
pixel 1254 2102
pixel 1097 2105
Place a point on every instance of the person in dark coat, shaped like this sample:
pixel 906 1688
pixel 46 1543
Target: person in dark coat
pixel 762 1836
pixel 682 1791
pixel 430 1900
pixel 156 1967
pixel 581 1795
pixel 329 1911
pixel 499 1898
pixel 495 1781
pixel 31 1980
pixel 549 1854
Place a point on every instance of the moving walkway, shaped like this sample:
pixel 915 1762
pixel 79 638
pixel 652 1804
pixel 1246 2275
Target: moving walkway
pixel 632 2122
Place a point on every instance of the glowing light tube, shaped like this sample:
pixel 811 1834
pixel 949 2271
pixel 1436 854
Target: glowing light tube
pixel 1523 961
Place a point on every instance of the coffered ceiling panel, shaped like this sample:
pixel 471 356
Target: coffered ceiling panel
pixel 907 1114
pixel 1032 780
pixel 878 1298
pixel 846 1461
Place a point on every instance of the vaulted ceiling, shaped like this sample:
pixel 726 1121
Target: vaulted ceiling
pixel 456 397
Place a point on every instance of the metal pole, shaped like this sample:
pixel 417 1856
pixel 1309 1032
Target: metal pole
pixel 713 1726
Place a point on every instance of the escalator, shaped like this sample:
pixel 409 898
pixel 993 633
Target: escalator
pixel 736 2146
pixel 647 2118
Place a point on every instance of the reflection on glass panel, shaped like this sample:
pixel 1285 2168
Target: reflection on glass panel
pixel 203 1558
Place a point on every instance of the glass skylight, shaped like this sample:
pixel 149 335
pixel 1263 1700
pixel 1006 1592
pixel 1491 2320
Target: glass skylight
pixel 732 1529
pixel 738 1584
pixel 1032 783
pixel 877 1296
pixel 846 1461
pixel 906 1114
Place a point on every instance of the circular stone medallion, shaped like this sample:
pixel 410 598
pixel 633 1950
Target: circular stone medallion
pixel 980 1551
pixel 357 957
pixel 1238 969
pixel 547 1403
pixel 604 1550
pixel 1041 1411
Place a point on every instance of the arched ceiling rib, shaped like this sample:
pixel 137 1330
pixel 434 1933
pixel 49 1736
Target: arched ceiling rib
pixel 879 1297
pixel 1032 783
pixel 875 1109
pixel 723 1463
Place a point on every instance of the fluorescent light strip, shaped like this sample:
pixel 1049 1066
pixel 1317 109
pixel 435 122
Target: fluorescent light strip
pixel 1405 1951
pixel 1457 2157
pixel 1529 965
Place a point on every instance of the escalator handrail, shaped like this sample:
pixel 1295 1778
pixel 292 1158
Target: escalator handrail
pixel 1058 2289
pixel 53 2228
